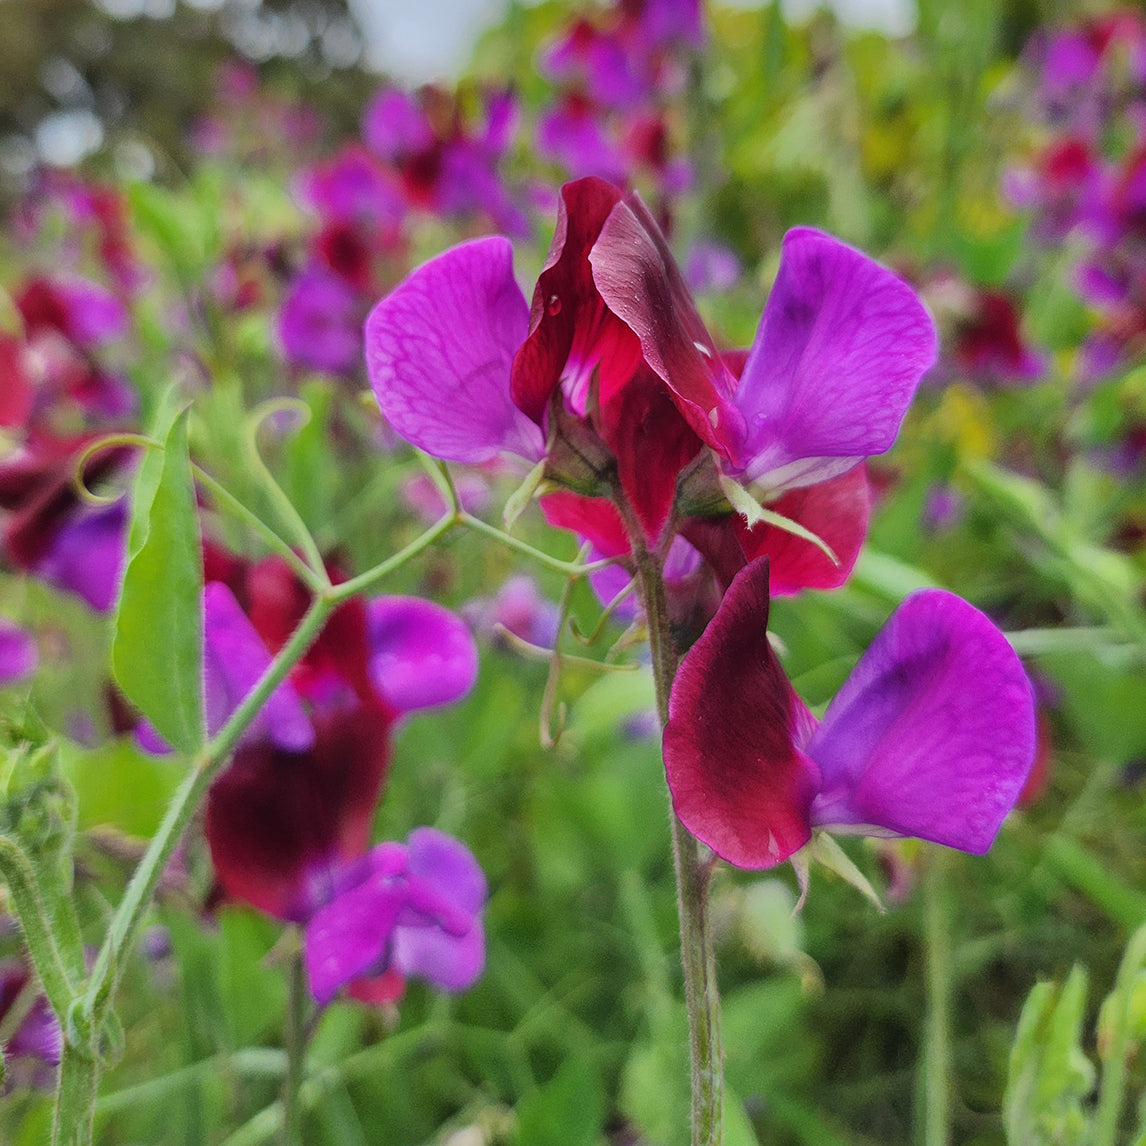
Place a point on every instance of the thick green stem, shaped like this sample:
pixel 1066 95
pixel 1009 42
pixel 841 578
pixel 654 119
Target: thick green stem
pixel 24 892
pixel 296 1038
pixel 936 1064
pixel 75 1098
pixel 698 955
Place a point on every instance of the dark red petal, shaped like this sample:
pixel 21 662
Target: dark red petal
pixel 651 442
pixel 279 822
pixel 719 542
pixel 836 511
pixel 37 485
pixel 738 781
pixel 15 385
pixel 276 601
pixel 566 306
pixel 636 275
pixel 594 518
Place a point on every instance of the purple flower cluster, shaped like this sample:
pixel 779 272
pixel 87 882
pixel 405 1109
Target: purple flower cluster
pixel 1088 178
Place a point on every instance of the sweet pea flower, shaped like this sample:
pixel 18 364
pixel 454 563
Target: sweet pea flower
pixel 932 735
pixel 464 370
pixel 319 322
pixel 288 823
pixel 407 910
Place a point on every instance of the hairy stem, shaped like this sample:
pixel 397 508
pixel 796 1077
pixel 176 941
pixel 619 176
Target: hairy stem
pixel 698 956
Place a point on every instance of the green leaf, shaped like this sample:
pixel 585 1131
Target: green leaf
pixel 567 1111
pixel 119 786
pixel 519 500
pixel 174 221
pixel 827 852
pixel 749 508
pixel 157 650
pixel 1048 1075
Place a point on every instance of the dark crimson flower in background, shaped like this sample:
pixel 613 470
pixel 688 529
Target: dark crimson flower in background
pixel 932 735
pixel 288 822
pixel 989 345
pixel 48 531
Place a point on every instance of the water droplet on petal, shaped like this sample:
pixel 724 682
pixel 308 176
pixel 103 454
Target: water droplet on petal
pixel 553 306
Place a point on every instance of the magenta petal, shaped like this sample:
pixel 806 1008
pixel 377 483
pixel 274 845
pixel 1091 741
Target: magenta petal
pixel 234 659
pixel 640 282
pixel 18 656
pixel 421 654
pixel 738 781
pixel 350 934
pixel 452 962
pixel 448 949
pixel 841 348
pixel 439 350
pixel 450 865
pixel 933 734
pixel 86 555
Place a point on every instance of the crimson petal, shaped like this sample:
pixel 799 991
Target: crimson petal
pixel 571 331
pixel 738 781
pixel 636 275
pixel 279 823
pixel 836 511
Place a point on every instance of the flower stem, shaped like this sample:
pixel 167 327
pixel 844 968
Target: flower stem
pixel 698 955
pixel 936 1064
pixel 296 1038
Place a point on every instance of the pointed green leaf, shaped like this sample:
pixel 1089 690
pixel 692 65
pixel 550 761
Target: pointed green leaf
pixel 519 500
pixel 157 649
pixel 826 851
pixel 748 507
pixel 567 1111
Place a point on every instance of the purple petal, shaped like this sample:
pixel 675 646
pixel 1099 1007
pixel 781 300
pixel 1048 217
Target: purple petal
pixel 18 656
pixel 439 350
pixel 449 961
pixel 394 125
pixel 39 1032
pixel 94 315
pixel 351 934
pixel 450 866
pixel 318 323
pixel 86 556
pixel 421 654
pixel 841 348
pixel 933 734
pixel 234 659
